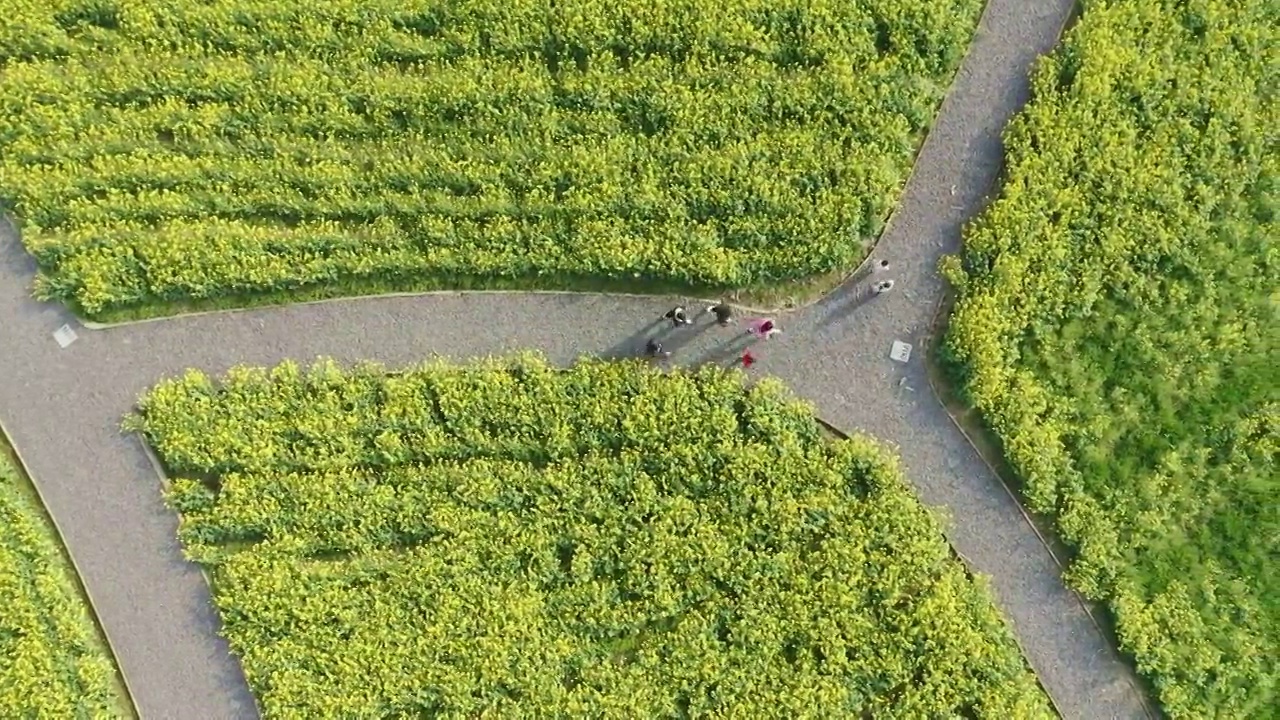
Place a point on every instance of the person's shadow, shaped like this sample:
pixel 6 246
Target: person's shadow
pixel 847 304
pixel 729 350
pixel 672 337
pixel 682 335
pixel 634 345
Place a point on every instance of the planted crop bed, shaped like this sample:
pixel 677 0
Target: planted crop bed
pixel 197 151
pixel 51 663
pixel 1116 326
pixel 607 540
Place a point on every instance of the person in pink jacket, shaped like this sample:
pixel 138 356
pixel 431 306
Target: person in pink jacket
pixel 763 327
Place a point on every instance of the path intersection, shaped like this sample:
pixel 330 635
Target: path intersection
pixel 62 406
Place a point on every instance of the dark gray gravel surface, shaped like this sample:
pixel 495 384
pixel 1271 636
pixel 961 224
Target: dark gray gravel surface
pixel 62 407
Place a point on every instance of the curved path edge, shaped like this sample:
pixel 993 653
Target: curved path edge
pixel 64 405
pixel 937 376
pixel 119 678
pixel 515 294
pixel 971 573
pixel 510 294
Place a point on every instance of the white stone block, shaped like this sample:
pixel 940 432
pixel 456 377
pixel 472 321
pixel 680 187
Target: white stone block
pixel 64 335
pixel 901 351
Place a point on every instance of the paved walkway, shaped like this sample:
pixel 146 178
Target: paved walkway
pixel 62 407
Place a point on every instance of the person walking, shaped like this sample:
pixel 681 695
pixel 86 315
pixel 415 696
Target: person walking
pixel 883 287
pixel 879 266
pixel 723 313
pixel 653 349
pixel 748 359
pixel 762 327
pixel 678 316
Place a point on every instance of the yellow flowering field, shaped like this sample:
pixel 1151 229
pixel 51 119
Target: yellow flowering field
pixel 509 539
pixel 187 151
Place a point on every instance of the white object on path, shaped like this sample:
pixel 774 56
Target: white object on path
pixel 901 351
pixel 64 335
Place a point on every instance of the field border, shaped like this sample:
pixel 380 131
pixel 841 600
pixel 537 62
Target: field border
pixel 983 441
pixel 824 285
pixel 973 575
pixel 119 680
pixel 157 465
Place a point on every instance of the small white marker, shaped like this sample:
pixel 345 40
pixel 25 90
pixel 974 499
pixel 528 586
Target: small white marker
pixel 901 351
pixel 64 335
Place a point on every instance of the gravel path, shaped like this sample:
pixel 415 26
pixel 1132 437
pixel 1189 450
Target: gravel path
pixel 62 407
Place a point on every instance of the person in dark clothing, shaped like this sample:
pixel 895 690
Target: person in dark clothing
pixel 653 349
pixel 723 313
pixel 678 316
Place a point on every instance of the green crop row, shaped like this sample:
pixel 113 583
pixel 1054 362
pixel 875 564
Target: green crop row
pixel 510 539
pixel 1116 325
pixel 200 150
pixel 50 665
